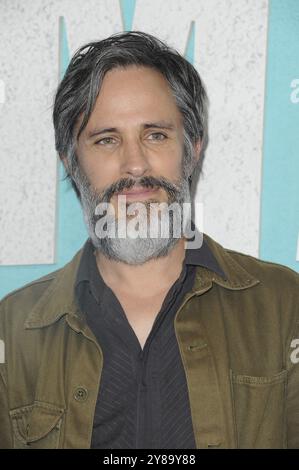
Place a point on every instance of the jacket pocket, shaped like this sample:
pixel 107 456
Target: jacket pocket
pixel 36 426
pixel 259 407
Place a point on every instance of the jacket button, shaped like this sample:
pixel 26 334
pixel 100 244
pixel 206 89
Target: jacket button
pixel 81 394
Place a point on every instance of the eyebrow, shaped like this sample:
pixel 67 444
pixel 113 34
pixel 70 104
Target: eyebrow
pixel 146 125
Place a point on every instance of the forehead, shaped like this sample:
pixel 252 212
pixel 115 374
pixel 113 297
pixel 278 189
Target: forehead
pixel 122 79
pixel 133 94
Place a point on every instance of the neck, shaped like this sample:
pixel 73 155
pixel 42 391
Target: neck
pixel 153 276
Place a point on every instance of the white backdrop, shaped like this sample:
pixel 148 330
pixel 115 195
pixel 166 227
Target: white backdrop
pixel 230 55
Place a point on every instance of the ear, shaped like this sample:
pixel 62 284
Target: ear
pixel 63 158
pixel 197 149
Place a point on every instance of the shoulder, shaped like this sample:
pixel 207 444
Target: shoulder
pixel 46 290
pixel 37 285
pixel 269 274
pixel 268 292
pixel 17 304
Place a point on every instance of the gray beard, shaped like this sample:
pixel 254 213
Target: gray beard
pixel 135 251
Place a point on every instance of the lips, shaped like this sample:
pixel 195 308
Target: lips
pixel 137 191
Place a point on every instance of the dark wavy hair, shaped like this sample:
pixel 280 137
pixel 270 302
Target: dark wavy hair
pixel 80 86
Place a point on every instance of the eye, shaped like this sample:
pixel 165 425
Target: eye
pixel 105 141
pixel 157 136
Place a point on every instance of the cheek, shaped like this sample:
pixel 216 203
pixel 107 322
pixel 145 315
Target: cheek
pixel 101 174
pixel 171 165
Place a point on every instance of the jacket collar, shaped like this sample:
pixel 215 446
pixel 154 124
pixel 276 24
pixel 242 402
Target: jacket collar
pixel 237 277
pixel 59 298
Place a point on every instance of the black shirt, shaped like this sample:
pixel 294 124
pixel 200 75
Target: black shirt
pixel 143 400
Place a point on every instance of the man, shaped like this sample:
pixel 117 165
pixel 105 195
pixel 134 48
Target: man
pixel 146 341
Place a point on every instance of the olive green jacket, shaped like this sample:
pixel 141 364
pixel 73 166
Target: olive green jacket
pixel 237 340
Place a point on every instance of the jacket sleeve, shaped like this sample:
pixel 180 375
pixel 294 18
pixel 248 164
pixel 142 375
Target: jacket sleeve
pixel 292 402
pixel 5 424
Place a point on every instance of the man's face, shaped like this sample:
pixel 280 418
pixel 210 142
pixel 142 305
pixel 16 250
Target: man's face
pixel 135 130
pixel 132 146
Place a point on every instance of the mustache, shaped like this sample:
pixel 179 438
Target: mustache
pixel 152 182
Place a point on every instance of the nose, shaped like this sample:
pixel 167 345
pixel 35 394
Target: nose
pixel 134 159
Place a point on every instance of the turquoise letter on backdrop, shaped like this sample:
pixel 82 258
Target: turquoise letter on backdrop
pixel 280 183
